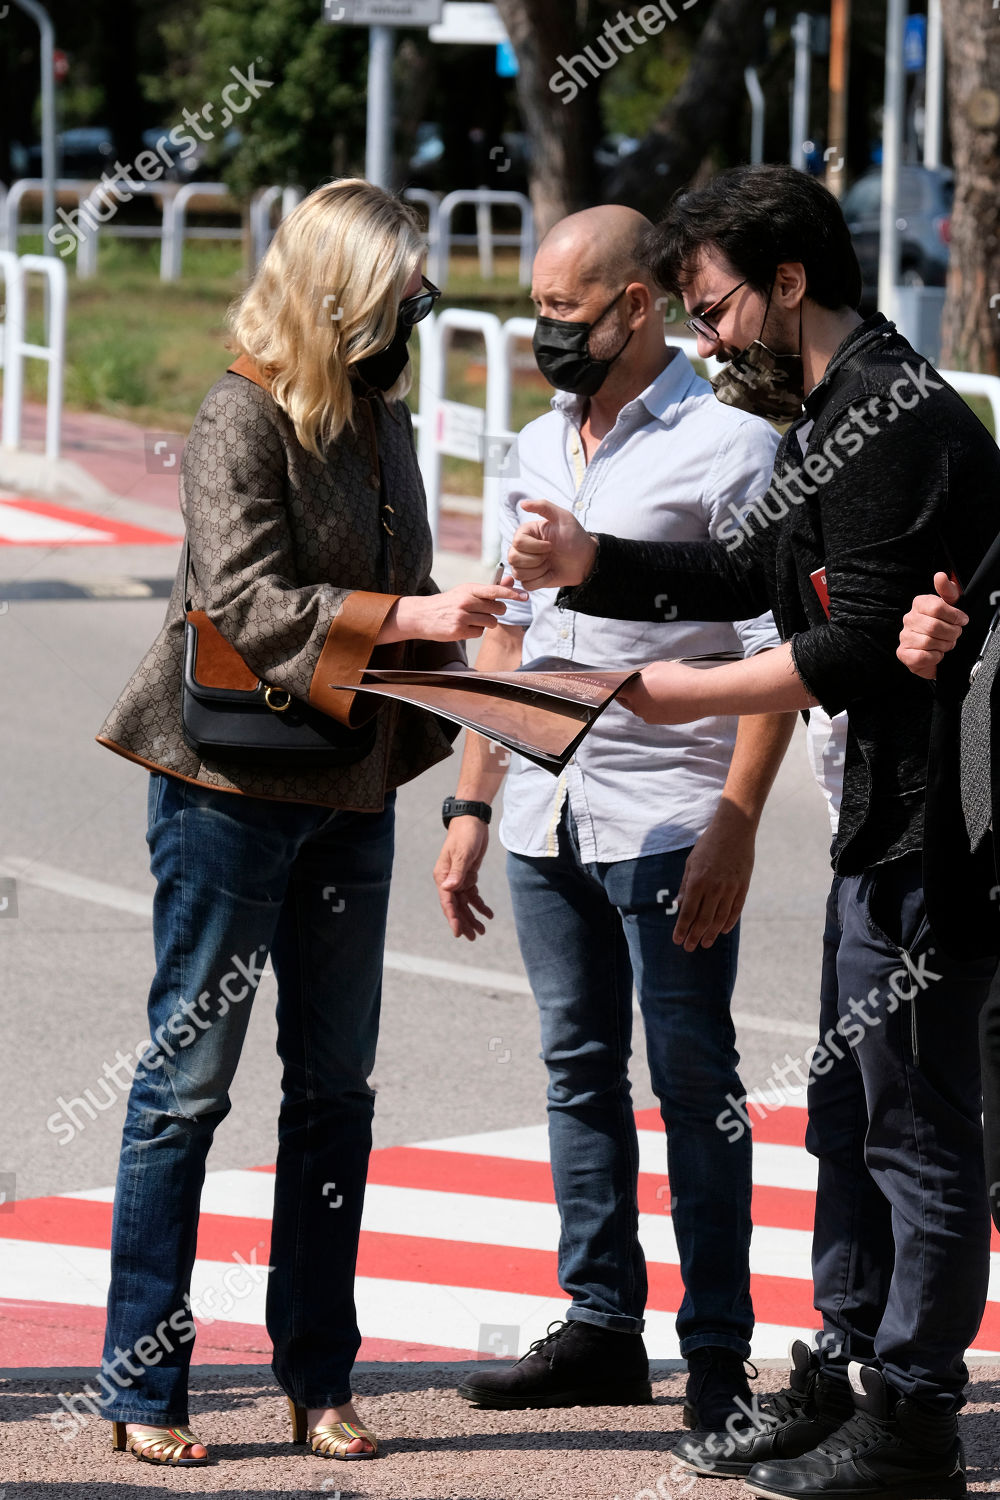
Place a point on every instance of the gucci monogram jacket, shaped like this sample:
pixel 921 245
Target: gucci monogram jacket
pixel 292 564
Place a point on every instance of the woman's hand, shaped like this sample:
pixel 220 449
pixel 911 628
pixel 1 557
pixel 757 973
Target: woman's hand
pixel 931 628
pixel 552 550
pixel 459 614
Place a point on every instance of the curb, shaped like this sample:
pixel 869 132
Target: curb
pixel 50 478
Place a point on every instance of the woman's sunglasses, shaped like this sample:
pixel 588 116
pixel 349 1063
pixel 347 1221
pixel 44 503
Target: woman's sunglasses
pixel 415 309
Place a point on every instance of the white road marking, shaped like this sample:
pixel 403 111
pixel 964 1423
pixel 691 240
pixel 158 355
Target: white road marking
pixel 17 525
pixel 456 1317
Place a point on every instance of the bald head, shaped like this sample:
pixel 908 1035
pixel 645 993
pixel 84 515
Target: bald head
pixel 594 247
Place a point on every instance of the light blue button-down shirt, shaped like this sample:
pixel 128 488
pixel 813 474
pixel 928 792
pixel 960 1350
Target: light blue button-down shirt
pixel 667 471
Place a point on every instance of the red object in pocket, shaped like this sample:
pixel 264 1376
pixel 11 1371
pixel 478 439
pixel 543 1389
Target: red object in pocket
pixel 818 579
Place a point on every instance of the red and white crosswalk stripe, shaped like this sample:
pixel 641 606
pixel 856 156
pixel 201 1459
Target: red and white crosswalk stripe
pixel 39 523
pixel 458 1241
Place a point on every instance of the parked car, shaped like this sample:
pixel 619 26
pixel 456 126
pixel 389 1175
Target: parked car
pixel 926 195
pixel 87 151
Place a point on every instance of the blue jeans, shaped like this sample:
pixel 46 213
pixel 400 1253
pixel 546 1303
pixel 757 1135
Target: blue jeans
pixel 584 930
pixel 237 878
pixel 901 1241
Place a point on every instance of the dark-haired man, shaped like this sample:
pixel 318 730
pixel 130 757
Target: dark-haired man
pixel 883 472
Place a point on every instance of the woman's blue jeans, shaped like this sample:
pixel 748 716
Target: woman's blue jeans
pixel 239 878
pixel 585 930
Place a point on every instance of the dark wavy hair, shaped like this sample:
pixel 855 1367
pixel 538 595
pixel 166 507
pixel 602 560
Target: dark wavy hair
pixel 758 217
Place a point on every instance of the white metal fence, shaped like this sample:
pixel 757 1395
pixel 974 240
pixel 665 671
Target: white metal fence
pixel 481 434
pixel 93 209
pixel 15 348
pixel 441 239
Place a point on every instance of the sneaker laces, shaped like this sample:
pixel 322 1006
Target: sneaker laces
pixel 858 1432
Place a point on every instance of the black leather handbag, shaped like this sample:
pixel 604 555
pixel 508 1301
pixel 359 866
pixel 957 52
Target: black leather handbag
pixel 227 713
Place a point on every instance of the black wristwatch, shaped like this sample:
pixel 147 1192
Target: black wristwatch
pixel 454 807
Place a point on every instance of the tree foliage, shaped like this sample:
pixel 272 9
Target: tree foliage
pixel 309 124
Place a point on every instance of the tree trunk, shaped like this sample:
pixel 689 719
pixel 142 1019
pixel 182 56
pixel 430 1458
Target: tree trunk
pixel 705 110
pixel 564 135
pixel 971 326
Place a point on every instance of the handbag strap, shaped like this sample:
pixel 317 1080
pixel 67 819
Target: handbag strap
pixel 187 574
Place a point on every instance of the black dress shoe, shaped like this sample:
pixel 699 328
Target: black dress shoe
pixel 716 1377
pixel 779 1426
pixel 575 1364
pixel 891 1449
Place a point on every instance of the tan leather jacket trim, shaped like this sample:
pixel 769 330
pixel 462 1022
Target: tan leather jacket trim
pixel 346 652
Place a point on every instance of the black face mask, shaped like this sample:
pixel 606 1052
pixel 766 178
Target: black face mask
pixel 562 353
pixel 384 368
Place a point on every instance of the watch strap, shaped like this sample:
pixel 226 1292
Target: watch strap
pixel 457 807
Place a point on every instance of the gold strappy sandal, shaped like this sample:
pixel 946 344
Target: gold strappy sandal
pixel 158 1445
pixel 332 1439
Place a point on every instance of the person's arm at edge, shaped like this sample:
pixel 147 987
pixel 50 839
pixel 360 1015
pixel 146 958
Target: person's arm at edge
pixel 669 692
pixel 484 764
pixel 931 628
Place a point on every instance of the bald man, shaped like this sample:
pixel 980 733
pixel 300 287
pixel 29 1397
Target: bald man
pixel 633 865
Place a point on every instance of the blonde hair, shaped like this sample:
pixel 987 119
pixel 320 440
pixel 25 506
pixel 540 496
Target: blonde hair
pixel 325 296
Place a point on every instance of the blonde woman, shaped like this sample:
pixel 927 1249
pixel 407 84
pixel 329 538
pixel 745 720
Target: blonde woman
pixel 310 557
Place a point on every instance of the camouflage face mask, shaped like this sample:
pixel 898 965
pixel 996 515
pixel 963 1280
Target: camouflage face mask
pixel 760 381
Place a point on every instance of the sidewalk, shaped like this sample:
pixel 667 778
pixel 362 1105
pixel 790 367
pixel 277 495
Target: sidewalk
pixel 435 1446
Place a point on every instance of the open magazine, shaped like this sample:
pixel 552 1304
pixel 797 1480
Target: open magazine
pixel 542 710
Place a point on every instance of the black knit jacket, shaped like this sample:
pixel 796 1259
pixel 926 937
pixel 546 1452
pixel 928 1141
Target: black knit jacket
pixel 887 477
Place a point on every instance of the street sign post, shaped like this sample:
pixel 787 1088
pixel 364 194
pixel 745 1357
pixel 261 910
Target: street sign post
pixel 381 17
pixel 42 20
pixel 382 12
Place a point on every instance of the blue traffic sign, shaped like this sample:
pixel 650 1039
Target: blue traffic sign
pixel 507 66
pixel 915 44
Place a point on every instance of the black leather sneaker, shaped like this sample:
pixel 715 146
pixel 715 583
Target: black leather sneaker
pixel 575 1364
pixel 780 1426
pixel 892 1448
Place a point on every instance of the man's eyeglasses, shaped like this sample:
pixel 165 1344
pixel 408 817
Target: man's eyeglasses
pixel 700 324
pixel 414 309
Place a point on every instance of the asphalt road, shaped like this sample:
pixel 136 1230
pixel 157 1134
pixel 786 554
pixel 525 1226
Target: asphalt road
pixel 459 1048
